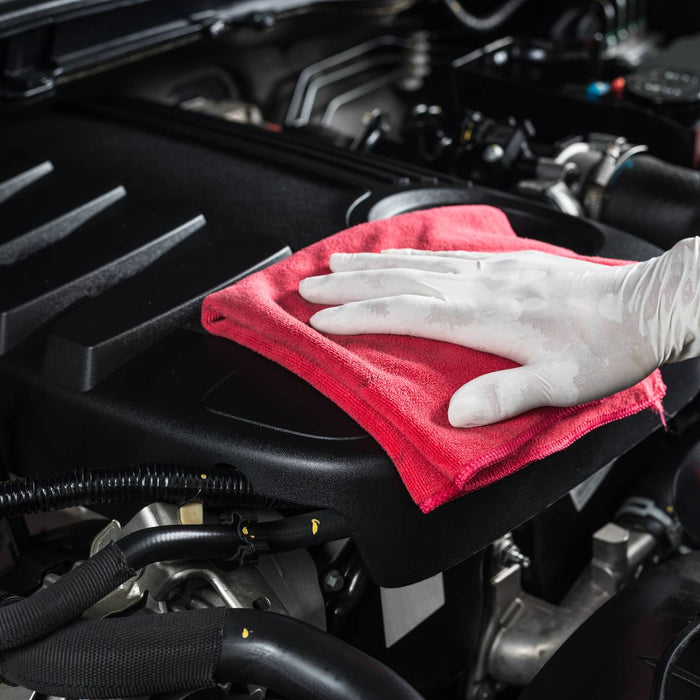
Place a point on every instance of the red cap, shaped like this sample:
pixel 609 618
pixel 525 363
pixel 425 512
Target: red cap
pixel 617 86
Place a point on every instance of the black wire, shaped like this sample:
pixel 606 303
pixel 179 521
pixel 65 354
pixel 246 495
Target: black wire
pixel 216 486
pixel 486 23
pixel 669 659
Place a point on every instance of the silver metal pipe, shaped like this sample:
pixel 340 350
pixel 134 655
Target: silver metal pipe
pixel 333 61
pixel 528 631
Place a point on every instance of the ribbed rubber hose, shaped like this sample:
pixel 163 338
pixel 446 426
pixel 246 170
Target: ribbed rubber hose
pixel 215 486
pixel 62 602
pixel 485 23
pixel 121 657
pixel 653 199
pixel 130 657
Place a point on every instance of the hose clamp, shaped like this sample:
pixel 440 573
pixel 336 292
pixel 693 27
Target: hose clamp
pixel 615 152
pixel 640 509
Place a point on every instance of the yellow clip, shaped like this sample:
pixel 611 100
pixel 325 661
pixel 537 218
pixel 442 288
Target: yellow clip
pixel 245 634
pixel 245 530
pixel 314 525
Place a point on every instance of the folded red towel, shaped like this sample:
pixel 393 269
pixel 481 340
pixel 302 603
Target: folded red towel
pixel 397 387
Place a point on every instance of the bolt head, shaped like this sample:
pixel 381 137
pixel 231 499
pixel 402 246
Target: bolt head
pixel 492 153
pixel 333 581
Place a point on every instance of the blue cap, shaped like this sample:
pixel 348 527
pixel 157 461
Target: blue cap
pixel 596 90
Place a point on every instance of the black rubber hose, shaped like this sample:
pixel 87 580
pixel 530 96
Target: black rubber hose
pixel 686 493
pixel 62 602
pixel 655 200
pixel 664 669
pixel 300 661
pixel 485 23
pixel 299 531
pixel 215 486
pixel 136 656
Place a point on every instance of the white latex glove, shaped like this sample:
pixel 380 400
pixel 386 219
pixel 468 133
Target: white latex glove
pixel 580 330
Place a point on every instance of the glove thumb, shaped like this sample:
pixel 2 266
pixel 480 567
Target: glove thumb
pixel 500 395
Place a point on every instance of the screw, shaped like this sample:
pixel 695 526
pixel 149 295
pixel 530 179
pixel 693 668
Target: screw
pixel 333 581
pixel 514 556
pixel 508 553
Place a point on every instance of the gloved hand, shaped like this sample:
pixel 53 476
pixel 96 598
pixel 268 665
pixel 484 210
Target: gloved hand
pixel 579 330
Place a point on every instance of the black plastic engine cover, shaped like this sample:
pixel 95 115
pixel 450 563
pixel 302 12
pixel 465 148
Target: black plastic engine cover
pixel 117 221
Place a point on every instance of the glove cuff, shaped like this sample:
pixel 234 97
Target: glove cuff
pixel 676 295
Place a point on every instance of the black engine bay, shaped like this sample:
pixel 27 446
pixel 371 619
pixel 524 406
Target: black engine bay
pixel 153 153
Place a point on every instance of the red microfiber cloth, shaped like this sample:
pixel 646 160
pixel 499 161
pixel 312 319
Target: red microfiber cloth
pixel 398 387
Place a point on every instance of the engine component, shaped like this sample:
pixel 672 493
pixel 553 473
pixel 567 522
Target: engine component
pixel 491 151
pixel 670 194
pixel 612 656
pixel 665 86
pixel 295 532
pixel 666 668
pixel 686 492
pixel 235 111
pixel 602 177
pixel 375 127
pixel 613 177
pixel 579 89
pixel 525 631
pixel 82 39
pixel 334 83
pixel 283 582
pixel 194 649
pixel 667 82
pixel 645 514
pixel 486 23
pixel 215 487
pixel 595 163
pixel 51 608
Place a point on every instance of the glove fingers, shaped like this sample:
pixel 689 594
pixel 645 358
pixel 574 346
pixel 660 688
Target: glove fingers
pixel 399 315
pixel 422 317
pixel 346 262
pixel 500 395
pixel 344 287
pixel 456 254
pixel 512 260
